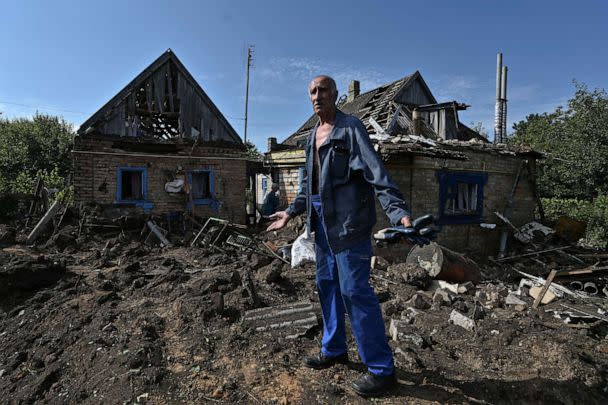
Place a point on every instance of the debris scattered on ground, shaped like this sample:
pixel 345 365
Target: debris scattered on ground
pixel 93 313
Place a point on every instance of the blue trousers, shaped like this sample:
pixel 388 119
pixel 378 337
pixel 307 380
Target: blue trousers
pixel 343 286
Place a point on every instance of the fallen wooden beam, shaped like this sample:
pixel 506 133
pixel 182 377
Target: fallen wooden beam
pixel 543 291
pixel 34 203
pixel 594 255
pixel 586 270
pixel 43 223
pixel 502 259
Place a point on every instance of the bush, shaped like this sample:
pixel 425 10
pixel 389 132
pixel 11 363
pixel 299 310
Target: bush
pixel 594 213
pixel 31 148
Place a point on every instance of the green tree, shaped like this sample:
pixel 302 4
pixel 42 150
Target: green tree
pixel 34 146
pixel 575 139
pixel 252 150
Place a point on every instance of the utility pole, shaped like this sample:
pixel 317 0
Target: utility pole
pixel 249 61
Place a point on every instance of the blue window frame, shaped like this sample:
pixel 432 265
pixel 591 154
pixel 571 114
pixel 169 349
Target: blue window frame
pixel 202 184
pixel 132 187
pixel 264 185
pixel 460 197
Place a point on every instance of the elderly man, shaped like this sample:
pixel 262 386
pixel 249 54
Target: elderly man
pixel 342 173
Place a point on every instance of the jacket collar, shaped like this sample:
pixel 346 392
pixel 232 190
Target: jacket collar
pixel 340 117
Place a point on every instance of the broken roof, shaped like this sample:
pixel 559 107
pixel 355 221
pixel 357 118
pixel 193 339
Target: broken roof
pixel 163 100
pixel 377 103
pixel 449 149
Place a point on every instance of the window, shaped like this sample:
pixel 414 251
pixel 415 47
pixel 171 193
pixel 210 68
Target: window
pixel 131 184
pixel 264 185
pixel 460 197
pixel 202 186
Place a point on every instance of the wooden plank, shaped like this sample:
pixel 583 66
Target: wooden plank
pixel 533 186
pixel 65 209
pixel 593 255
pixel 146 113
pixel 502 259
pixel 543 291
pixel 43 223
pixel 170 85
pixel 508 211
pixel 586 270
pixel 34 204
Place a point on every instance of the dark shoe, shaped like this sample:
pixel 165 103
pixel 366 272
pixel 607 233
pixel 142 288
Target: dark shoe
pixel 321 361
pixel 370 385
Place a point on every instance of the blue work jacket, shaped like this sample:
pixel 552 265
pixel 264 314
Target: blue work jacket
pixel 351 171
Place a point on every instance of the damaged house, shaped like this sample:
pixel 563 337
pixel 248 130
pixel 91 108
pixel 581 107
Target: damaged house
pixel 161 146
pixel 442 166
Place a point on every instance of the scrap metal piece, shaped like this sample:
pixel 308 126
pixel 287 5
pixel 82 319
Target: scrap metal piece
pixel 586 312
pixel 590 288
pixel 296 318
pixel 156 231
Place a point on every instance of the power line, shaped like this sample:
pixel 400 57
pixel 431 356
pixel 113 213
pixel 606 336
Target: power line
pixel 41 107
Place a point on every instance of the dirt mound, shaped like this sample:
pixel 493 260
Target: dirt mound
pixel 116 321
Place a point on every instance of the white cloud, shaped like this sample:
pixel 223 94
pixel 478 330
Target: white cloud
pixel 299 70
pixel 269 99
pixel 456 87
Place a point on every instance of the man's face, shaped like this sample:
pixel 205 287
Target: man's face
pixel 322 95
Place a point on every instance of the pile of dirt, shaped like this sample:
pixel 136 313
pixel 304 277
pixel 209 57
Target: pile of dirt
pixel 112 320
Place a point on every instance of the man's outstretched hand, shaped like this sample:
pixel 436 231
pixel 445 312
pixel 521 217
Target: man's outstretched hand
pixel 280 219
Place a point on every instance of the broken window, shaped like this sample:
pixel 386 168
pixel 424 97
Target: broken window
pixel 460 197
pixel 131 184
pixel 201 184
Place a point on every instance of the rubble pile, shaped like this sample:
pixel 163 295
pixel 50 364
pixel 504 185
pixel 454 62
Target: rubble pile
pixel 103 314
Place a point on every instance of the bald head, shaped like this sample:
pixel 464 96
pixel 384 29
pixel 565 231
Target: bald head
pixel 323 95
pixel 328 79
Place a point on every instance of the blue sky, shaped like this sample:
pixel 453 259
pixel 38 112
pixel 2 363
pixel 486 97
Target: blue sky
pixel 70 57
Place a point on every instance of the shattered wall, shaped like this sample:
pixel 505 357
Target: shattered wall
pixel 417 179
pixel 96 161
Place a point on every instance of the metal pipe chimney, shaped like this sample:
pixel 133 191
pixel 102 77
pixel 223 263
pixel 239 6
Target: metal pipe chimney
pixel 503 91
pixel 498 108
pixel 416 122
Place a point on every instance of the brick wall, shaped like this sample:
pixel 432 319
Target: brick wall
pixel 289 184
pixel 419 184
pixel 416 177
pixel 95 165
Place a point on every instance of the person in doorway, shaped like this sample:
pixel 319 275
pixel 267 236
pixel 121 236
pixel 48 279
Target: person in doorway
pixel 271 201
pixel 342 173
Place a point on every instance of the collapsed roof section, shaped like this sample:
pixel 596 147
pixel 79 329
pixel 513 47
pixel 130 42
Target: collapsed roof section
pixel 404 144
pixel 392 109
pixel 163 102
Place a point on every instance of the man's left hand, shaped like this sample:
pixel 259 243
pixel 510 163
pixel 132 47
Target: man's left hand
pixel 405 221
